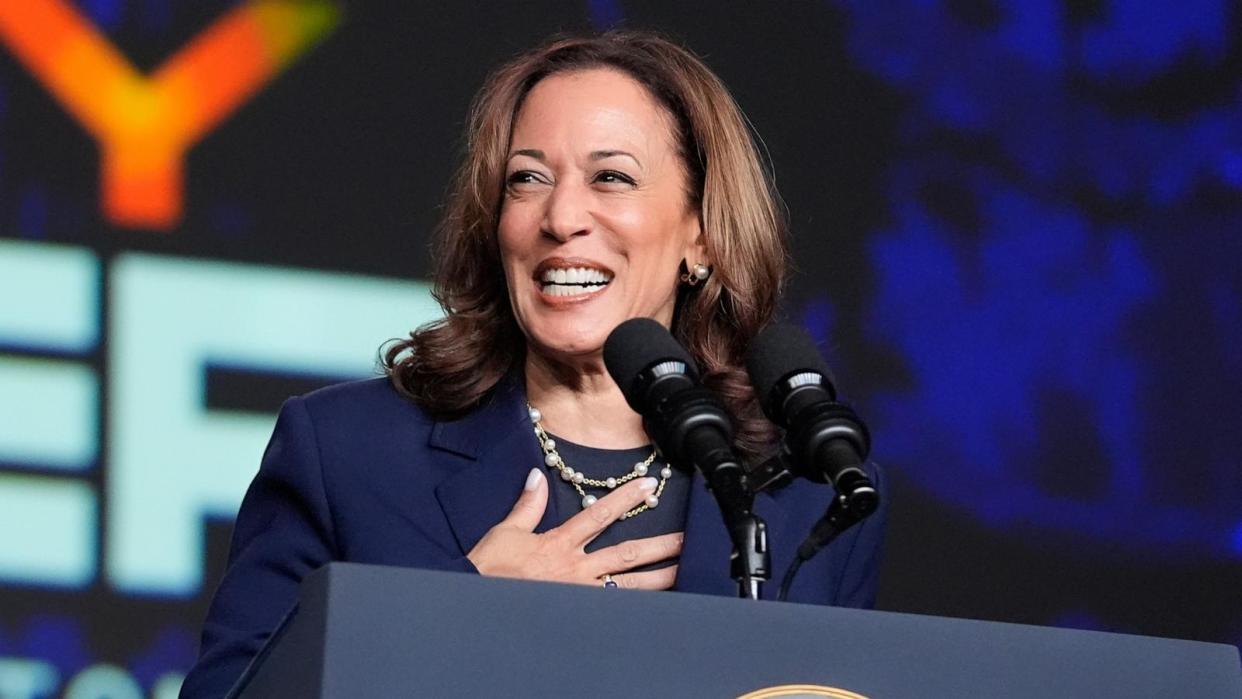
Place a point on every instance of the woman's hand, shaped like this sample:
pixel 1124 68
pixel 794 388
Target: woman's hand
pixel 511 549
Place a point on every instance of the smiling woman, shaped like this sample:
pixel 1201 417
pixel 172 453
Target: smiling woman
pixel 605 178
pixel 605 191
pixel 614 146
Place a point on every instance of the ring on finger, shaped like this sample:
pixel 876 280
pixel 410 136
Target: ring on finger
pixel 609 582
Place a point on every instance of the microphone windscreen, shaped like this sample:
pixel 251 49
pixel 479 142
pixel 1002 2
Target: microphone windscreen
pixel 635 345
pixel 778 352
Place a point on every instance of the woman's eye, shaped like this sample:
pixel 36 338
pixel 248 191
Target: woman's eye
pixel 523 177
pixel 614 177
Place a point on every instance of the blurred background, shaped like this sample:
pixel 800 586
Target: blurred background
pixel 1017 232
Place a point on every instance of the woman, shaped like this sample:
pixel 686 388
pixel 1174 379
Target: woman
pixel 605 178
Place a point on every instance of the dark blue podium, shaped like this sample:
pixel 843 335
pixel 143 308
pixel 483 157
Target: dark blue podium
pixel 367 631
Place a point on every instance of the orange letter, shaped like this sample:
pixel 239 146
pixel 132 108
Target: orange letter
pixel 145 125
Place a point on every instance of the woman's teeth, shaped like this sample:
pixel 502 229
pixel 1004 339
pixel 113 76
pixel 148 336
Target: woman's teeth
pixel 573 281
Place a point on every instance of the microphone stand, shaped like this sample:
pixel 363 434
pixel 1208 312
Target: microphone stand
pixel 693 420
pixel 750 563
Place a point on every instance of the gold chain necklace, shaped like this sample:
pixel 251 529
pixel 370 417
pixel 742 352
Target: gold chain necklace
pixel 552 459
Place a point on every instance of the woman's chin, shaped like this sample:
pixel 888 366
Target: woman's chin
pixel 572 324
pixel 569 339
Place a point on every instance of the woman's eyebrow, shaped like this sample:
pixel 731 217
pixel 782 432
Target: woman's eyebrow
pixel 532 152
pixel 602 154
pixel 593 155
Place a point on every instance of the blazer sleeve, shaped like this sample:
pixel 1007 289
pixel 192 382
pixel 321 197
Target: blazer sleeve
pixel 860 577
pixel 283 532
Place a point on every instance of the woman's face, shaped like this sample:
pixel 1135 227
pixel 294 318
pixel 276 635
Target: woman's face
pixel 595 220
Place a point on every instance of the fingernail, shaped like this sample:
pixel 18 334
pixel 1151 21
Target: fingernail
pixel 647 484
pixel 533 478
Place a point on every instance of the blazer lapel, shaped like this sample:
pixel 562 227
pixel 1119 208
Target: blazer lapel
pixel 704 563
pixel 499 448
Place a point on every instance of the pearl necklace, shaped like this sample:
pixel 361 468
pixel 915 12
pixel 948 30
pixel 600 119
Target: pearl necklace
pixel 552 459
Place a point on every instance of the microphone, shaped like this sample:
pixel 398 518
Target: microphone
pixel 689 424
pixel 826 439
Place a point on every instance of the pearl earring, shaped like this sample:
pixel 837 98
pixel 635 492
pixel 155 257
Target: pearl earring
pixel 698 272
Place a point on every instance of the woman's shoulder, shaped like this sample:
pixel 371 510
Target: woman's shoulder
pixel 375 392
pixel 359 407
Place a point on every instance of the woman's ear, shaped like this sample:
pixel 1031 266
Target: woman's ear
pixel 694 259
pixel 696 250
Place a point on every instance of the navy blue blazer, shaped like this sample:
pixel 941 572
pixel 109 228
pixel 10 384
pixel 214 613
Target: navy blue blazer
pixel 356 472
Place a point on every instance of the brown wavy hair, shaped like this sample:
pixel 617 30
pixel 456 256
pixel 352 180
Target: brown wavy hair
pixel 450 365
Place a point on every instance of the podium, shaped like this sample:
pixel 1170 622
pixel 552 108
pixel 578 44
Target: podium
pixel 370 631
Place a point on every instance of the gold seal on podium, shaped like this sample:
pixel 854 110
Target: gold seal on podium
pixel 801 691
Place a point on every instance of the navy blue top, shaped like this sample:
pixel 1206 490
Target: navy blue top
pixel 358 473
pixel 668 516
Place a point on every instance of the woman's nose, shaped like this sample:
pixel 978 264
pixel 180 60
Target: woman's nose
pixel 567 211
